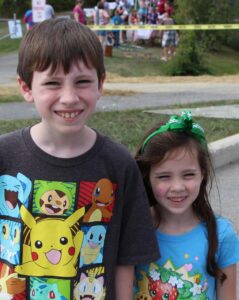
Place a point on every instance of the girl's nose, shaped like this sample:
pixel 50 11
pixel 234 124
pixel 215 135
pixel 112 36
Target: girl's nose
pixel 177 184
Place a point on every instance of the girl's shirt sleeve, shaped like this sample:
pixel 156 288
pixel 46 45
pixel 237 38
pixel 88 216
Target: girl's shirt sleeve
pixel 228 244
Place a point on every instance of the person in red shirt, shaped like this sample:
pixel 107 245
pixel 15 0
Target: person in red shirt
pixel 168 8
pixel 161 6
pixel 78 12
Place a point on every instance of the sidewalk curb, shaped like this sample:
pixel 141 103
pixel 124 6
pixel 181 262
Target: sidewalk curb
pixel 225 151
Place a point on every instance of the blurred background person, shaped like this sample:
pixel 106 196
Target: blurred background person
pixel 116 20
pixel 49 11
pixel 28 20
pixel 78 12
pixel 101 17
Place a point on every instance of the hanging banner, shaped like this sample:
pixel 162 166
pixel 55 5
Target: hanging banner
pixel 167 27
pixel 38 10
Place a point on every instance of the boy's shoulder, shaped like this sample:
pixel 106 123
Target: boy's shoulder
pixel 113 146
pixel 11 136
pixel 115 153
pixel 10 145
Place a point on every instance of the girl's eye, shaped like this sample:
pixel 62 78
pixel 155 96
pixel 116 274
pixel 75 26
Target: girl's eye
pixel 163 177
pixel 189 175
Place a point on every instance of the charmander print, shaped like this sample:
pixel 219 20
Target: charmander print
pixel 52 249
pixel 102 199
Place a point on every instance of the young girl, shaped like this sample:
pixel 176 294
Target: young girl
pixel 199 250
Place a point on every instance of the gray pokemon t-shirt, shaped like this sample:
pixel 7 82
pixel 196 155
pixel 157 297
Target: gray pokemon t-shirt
pixel 66 223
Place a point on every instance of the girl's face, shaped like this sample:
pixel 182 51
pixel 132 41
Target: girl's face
pixel 176 182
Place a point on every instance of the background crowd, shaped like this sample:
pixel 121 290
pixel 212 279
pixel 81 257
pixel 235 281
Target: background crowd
pixel 124 12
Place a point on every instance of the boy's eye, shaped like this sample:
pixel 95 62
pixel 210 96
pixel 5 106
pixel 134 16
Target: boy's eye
pixel 85 81
pixel 52 83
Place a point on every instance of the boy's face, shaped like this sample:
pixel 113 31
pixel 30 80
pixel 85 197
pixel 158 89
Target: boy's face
pixel 64 101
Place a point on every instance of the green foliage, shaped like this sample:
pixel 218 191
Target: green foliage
pixel 233 39
pixel 62 5
pixel 189 57
pixel 207 12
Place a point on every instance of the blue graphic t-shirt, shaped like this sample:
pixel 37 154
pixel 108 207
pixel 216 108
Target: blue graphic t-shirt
pixel 181 272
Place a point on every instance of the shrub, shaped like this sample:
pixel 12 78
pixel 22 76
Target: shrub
pixel 189 57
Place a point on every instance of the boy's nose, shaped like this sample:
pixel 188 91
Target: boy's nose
pixel 69 96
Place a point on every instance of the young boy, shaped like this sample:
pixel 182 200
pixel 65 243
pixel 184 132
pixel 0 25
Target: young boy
pixel 73 214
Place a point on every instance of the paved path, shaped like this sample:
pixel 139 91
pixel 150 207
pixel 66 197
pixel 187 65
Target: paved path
pixel 8 64
pixel 221 112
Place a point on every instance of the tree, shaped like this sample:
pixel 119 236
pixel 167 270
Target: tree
pixel 207 12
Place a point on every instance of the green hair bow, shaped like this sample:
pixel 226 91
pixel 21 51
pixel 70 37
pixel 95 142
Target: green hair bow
pixel 179 124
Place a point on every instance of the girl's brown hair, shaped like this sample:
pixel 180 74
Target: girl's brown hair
pixel 155 151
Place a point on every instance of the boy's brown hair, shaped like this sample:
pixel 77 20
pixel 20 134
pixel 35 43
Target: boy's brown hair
pixel 59 43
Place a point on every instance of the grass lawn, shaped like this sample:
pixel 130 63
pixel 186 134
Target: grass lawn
pixel 8 45
pixel 127 127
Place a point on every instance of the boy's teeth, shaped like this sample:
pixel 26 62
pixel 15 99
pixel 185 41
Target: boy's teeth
pixel 69 115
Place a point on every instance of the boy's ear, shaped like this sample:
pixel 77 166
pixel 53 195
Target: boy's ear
pixel 25 90
pixel 101 84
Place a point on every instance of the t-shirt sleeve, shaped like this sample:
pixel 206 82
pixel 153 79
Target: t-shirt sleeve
pixel 137 237
pixel 228 250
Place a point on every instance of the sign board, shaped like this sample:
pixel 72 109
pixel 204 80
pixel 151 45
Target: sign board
pixel 38 10
pixel 15 29
pixel 89 11
pixel 112 5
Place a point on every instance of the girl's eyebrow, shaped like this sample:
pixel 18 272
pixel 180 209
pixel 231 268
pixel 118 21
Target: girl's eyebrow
pixel 185 170
pixel 190 170
pixel 161 173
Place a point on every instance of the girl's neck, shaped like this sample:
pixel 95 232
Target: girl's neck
pixel 174 224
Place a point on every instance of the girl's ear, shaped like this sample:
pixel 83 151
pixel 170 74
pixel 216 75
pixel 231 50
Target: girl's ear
pixel 25 90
